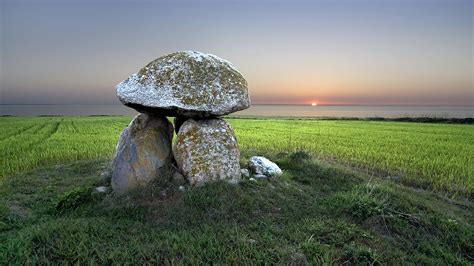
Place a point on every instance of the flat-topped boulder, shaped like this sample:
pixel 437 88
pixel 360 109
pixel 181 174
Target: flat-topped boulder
pixel 189 84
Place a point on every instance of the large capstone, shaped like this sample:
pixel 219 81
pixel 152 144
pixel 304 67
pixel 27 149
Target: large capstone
pixel 206 150
pixel 143 152
pixel 189 84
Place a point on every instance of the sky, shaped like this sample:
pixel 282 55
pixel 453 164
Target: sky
pixel 334 52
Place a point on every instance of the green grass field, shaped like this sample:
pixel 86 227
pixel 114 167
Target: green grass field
pixel 434 156
pixel 334 203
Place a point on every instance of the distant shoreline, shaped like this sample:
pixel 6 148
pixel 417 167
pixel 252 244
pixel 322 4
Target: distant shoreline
pixel 263 104
pixel 468 121
pixel 396 113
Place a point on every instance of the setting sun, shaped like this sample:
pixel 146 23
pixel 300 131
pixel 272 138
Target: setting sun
pixel 314 104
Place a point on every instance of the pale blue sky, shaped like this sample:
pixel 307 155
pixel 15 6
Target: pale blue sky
pixel 332 52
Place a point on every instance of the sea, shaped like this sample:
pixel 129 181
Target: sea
pixel 257 111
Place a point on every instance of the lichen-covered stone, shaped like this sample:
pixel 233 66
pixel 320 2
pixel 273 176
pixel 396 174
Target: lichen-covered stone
pixel 262 166
pixel 189 84
pixel 143 152
pixel 206 150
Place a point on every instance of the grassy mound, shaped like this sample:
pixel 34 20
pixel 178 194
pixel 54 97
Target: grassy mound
pixel 315 213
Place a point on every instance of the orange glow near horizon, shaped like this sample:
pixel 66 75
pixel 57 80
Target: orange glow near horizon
pixel 420 53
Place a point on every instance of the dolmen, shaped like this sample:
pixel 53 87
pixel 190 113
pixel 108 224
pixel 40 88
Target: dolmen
pixel 196 89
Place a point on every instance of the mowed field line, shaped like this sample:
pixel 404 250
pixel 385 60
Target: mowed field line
pixel 16 151
pixel 55 128
pixel 12 132
pixel 438 156
pixel 24 137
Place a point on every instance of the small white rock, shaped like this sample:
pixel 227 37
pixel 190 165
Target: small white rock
pixel 252 179
pixel 101 189
pixel 182 188
pixel 105 173
pixel 252 241
pixel 261 177
pixel 245 173
pixel 262 166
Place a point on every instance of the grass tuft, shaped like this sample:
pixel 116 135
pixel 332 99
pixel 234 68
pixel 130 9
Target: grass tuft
pixel 72 199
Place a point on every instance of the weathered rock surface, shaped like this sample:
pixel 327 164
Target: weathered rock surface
pixel 245 173
pixel 189 84
pixel 143 152
pixel 206 150
pixel 262 166
pixel 260 177
pixel 178 178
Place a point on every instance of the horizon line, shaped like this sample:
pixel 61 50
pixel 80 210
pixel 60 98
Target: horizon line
pixel 288 104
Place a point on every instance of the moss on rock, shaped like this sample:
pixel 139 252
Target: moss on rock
pixel 206 150
pixel 188 84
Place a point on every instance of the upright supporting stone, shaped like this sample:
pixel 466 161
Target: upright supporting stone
pixel 206 150
pixel 143 152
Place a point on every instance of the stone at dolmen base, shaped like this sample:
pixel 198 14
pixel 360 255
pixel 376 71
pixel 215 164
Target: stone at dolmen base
pixel 101 189
pixel 262 166
pixel 245 173
pixel 206 150
pixel 260 177
pixel 190 84
pixel 143 152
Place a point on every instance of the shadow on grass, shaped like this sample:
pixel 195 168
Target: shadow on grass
pixel 315 213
